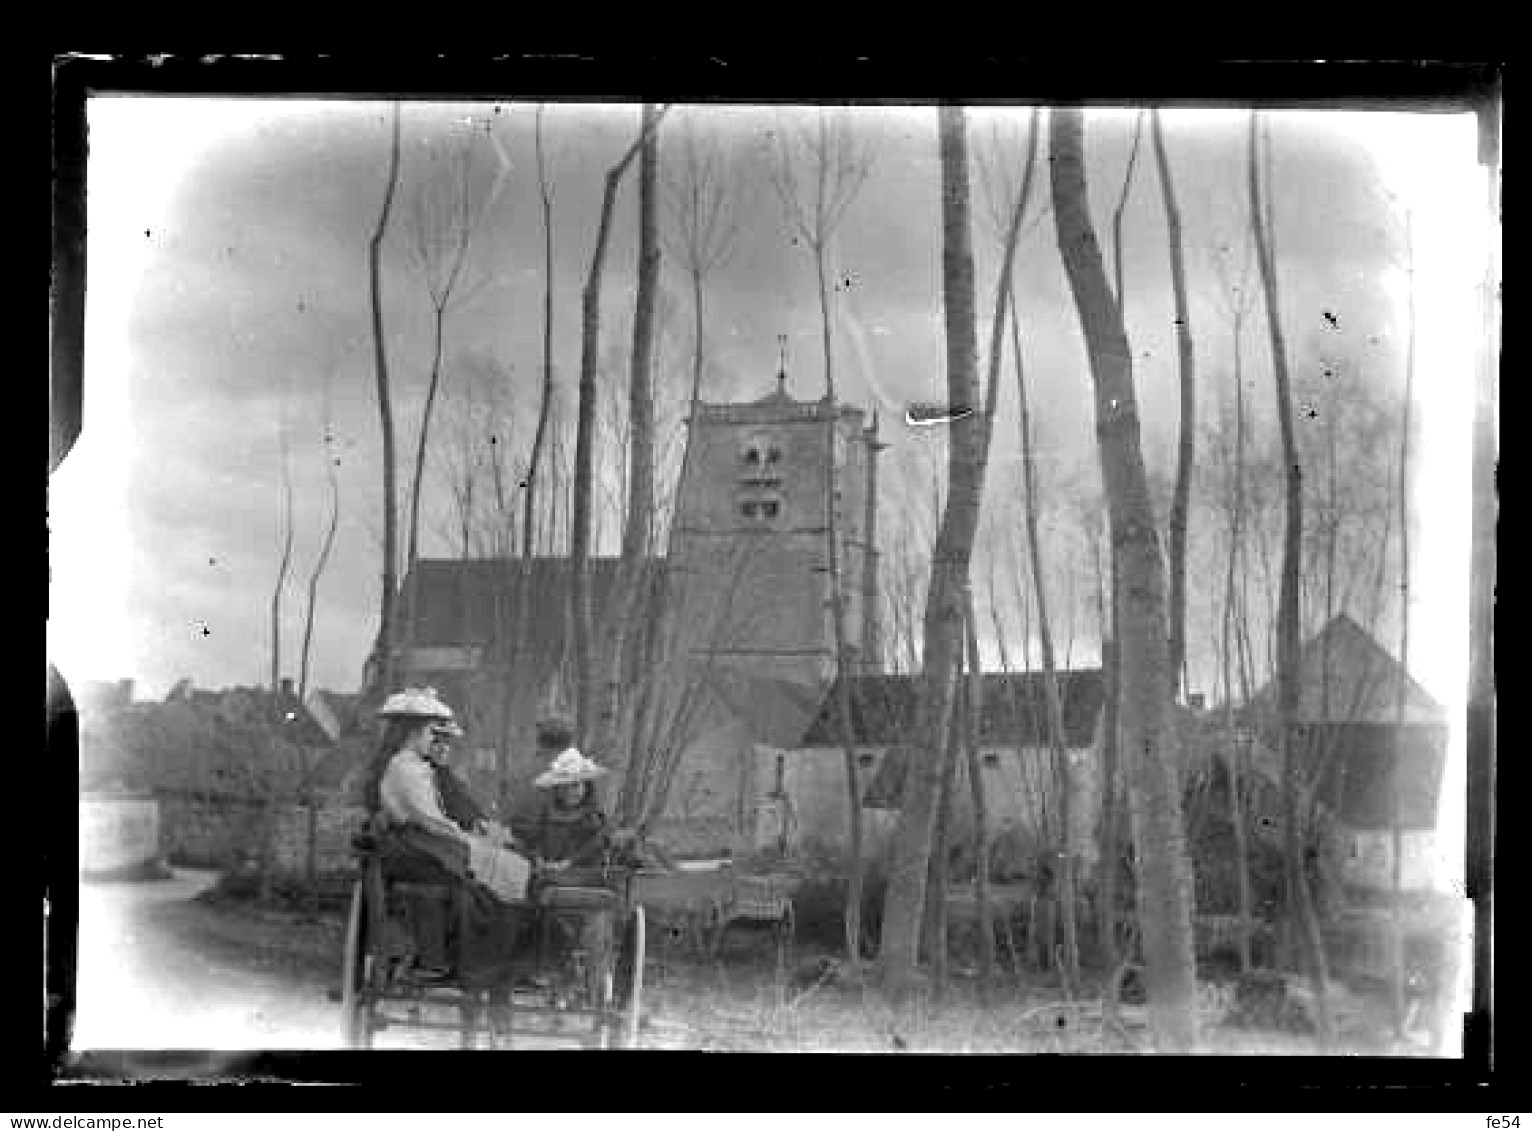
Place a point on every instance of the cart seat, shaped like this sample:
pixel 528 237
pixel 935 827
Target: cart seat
pixel 566 897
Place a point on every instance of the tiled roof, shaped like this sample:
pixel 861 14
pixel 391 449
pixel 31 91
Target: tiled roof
pixel 1014 709
pixel 237 742
pixel 449 602
pixel 1348 677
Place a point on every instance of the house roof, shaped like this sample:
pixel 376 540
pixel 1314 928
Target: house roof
pixel 446 602
pixel 240 741
pixel 1346 676
pixel 1014 709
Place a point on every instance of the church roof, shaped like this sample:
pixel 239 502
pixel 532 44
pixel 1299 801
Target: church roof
pixel 447 602
pixel 1346 676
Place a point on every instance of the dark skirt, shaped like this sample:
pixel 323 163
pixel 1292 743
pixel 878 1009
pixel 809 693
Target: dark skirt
pixel 470 930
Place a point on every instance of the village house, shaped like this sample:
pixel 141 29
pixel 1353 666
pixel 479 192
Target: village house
pixel 1372 742
pixel 223 767
pixel 1021 792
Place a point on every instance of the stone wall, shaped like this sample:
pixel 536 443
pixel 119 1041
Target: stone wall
pixel 224 833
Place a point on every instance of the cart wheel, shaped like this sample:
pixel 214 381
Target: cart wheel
pixel 356 969
pixel 631 965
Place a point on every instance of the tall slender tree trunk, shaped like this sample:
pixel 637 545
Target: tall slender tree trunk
pixel 514 650
pixel 1231 738
pixel 1053 703
pixel 327 544
pixel 585 681
pixel 972 719
pixel 1396 877
pixel 283 564
pixel 1111 793
pixel 417 480
pixel 1187 435
pixel 383 649
pixel 820 229
pixel 626 610
pixel 1111 826
pixel 311 855
pixel 949 569
pixel 545 398
pixel 269 813
pixel 934 919
pixel 1150 738
pixel 1300 901
pixel 1122 207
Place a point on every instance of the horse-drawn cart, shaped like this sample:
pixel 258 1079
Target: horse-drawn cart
pixel 575 974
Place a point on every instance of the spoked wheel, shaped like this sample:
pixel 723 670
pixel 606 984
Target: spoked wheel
pixel 356 971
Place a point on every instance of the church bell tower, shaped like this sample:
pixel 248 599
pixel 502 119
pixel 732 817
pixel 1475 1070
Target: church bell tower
pixel 748 545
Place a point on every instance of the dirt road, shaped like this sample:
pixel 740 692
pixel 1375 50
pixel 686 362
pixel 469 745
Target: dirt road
pixel 154 973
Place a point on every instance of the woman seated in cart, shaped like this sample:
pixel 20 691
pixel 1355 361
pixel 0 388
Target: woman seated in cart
pixel 431 831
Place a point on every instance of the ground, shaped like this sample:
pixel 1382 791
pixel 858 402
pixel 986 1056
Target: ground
pixel 164 966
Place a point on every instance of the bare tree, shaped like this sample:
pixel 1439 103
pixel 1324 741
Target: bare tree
pixel 1054 703
pixel 1122 207
pixel 1111 769
pixel 1300 903
pixel 383 651
pixel 949 569
pixel 972 719
pixel 1232 745
pixel 838 167
pixel 1186 447
pixel 1397 835
pixel 545 398
pixel 628 609
pixel 327 544
pixel 580 533
pixel 1149 732
pixel 1005 302
pixel 309 759
pixel 702 204
pixel 445 217
pixel 287 550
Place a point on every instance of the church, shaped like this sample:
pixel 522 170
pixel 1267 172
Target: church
pixel 743 652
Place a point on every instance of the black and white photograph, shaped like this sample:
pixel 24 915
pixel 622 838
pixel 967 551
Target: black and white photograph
pixel 752 575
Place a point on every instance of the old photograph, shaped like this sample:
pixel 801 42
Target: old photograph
pixel 777 576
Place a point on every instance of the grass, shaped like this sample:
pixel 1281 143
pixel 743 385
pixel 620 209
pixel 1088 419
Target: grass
pixel 737 1003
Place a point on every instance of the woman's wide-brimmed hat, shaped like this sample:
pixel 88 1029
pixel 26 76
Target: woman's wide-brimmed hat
pixel 420 703
pixel 569 768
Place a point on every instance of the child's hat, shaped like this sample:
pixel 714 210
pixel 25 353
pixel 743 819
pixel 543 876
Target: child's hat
pixel 568 768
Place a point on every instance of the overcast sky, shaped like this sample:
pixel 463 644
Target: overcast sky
pixel 228 279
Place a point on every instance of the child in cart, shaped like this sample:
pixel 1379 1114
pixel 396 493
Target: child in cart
pixel 573 838
pixel 574 844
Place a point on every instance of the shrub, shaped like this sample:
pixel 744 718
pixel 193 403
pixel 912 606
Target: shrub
pixel 819 902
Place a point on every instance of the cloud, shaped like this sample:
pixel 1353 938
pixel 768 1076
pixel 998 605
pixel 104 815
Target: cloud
pixel 250 293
